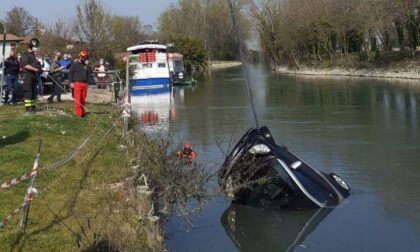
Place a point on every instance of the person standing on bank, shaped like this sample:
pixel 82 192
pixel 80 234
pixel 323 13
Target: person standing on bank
pixel 78 76
pixel 11 71
pixel 56 74
pixel 31 67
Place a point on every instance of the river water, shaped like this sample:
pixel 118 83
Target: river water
pixel 367 131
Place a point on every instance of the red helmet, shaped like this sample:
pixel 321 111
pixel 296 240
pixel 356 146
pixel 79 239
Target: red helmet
pixel 187 146
pixel 84 55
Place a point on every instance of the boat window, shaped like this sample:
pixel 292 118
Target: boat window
pixel 146 66
pixel 161 65
pixel 133 67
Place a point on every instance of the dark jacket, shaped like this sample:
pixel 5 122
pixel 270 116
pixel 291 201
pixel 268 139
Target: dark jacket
pixel 29 59
pixel 55 70
pixel 11 66
pixel 79 72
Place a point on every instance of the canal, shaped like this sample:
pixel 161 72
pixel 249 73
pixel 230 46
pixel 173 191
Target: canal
pixel 367 131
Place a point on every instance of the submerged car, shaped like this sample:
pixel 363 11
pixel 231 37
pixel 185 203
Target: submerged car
pixel 258 171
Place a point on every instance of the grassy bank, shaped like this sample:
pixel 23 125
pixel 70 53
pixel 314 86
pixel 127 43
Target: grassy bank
pixel 78 208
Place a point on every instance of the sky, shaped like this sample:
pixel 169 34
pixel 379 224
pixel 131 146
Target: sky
pixel 49 10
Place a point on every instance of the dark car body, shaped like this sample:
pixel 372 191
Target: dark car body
pixel 258 170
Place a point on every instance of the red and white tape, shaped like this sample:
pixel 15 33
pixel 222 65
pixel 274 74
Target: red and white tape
pixel 11 182
pixel 11 216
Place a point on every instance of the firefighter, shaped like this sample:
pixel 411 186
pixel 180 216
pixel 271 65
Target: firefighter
pixel 31 68
pixel 187 153
pixel 79 74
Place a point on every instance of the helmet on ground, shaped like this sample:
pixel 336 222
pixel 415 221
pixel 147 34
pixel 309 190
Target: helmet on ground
pixel 84 55
pixel 34 42
pixel 187 146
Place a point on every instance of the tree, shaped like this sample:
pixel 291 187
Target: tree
pixel 19 22
pixel 207 21
pixel 57 36
pixel 126 31
pixel 93 26
pixel 195 56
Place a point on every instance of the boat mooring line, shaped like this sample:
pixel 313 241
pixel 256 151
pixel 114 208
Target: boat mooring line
pixel 244 69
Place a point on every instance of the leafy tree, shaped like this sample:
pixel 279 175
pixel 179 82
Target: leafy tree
pixel 195 55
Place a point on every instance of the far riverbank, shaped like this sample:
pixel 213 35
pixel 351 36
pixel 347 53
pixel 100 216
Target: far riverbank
pixel 217 65
pixel 409 71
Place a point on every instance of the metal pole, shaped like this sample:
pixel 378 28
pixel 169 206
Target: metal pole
pixel 2 65
pixel 127 96
pixel 127 79
pixel 25 211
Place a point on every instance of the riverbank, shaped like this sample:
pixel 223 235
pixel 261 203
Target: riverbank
pixel 409 70
pixel 83 200
pixel 218 65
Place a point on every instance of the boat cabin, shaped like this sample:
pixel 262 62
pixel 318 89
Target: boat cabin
pixel 149 70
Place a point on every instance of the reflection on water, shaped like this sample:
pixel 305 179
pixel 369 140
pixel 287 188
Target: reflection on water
pixel 368 131
pixel 153 111
pixel 253 229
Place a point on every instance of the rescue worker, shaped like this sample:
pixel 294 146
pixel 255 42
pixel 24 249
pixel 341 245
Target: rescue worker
pixel 56 73
pixel 78 76
pixel 187 153
pixel 31 68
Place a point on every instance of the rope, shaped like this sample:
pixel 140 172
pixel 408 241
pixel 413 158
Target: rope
pixel 65 91
pixel 244 69
pixel 67 158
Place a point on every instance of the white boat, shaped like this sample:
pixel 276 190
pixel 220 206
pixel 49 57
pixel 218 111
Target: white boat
pixel 149 70
pixel 176 66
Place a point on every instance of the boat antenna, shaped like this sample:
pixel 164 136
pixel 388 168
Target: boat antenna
pixel 241 55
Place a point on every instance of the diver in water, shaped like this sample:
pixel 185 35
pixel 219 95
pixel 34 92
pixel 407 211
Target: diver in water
pixel 187 153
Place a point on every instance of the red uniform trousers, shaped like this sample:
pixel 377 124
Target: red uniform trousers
pixel 80 92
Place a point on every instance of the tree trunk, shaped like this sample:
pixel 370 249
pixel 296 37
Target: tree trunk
pixel 295 60
pixel 400 34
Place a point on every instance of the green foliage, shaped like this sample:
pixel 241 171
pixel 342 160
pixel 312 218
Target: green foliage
pixel 195 56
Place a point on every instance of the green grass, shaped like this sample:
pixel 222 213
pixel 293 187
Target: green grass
pixel 78 212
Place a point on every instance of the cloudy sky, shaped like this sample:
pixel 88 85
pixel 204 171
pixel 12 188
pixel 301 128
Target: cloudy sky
pixel 48 10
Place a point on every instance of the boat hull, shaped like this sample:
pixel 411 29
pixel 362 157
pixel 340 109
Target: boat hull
pixel 149 86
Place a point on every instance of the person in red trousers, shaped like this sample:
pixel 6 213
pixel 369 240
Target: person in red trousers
pixel 79 74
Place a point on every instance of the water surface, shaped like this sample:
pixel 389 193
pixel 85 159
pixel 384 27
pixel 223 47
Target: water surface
pixel 367 131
